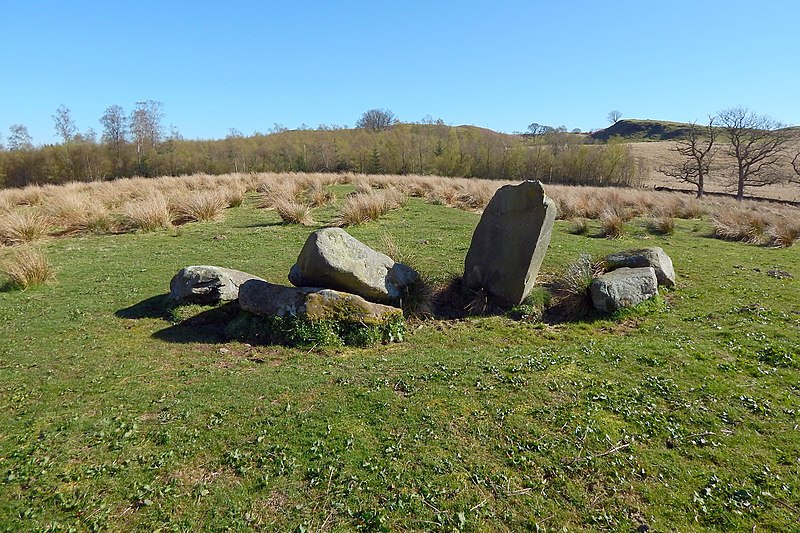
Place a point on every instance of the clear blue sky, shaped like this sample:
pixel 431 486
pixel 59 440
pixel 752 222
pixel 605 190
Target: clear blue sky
pixel 502 65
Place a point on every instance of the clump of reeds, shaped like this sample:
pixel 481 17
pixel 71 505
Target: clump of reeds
pixel 732 224
pixel 661 224
pixel 146 214
pixel 201 206
pixel 784 232
pixel 293 212
pixel 363 207
pixel 26 267
pixel 579 226
pixel 278 191
pixel 318 195
pixel 571 292
pixel 22 226
pixel 75 212
pixel 612 224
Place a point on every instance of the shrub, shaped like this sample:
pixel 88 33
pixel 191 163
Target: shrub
pixel 293 331
pixel 147 214
pixel 22 226
pixel 293 212
pixel 197 207
pixel 27 267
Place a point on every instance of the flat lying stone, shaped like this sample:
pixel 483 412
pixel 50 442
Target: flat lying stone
pixel 311 303
pixel 623 287
pixel 510 242
pixel 204 284
pixel 653 257
pixel 333 259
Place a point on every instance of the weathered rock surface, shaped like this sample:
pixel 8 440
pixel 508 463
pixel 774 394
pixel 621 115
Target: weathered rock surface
pixel 204 284
pixel 510 242
pixel 653 257
pixel 623 287
pixel 311 303
pixel 333 259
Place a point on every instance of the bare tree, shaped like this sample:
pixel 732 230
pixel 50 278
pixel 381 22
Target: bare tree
pixel 698 148
pixel 757 144
pixel 614 115
pixel 65 126
pixel 19 139
pixel 376 119
pixel 145 126
pixel 114 133
pixel 796 167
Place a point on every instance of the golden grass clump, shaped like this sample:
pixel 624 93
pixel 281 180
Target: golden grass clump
pixel 22 226
pixel 736 224
pixel 612 224
pixel 293 212
pixel 319 195
pixel 363 207
pixel 279 191
pixel 784 232
pixel 234 194
pixel 662 224
pixel 579 226
pixel 75 212
pixel 197 206
pixel 146 214
pixel 27 267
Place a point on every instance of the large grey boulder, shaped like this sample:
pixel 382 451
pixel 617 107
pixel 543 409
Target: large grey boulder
pixel 204 284
pixel 653 257
pixel 311 303
pixel 623 287
pixel 510 242
pixel 333 259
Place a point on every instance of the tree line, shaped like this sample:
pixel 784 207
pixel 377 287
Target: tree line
pixel 758 146
pixel 136 144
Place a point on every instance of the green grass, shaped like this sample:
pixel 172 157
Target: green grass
pixel 682 414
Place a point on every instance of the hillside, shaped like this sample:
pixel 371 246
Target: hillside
pixel 641 130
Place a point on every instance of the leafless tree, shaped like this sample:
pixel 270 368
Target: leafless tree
pixel 757 143
pixel 698 148
pixel 145 126
pixel 19 139
pixel 614 115
pixel 65 126
pixel 796 167
pixel 376 119
pixel 114 134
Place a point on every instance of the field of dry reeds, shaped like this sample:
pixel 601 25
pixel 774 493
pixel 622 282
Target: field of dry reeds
pixel 149 204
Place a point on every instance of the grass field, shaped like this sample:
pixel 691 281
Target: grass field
pixel 682 415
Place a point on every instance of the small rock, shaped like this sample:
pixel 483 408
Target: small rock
pixel 203 284
pixel 779 274
pixel 623 287
pixel 653 257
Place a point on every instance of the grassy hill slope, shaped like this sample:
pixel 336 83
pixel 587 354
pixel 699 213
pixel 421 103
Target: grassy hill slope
pixel 639 130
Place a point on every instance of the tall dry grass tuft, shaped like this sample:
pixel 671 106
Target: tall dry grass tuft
pixel 571 293
pixel 319 195
pixel 735 224
pixel 76 212
pixel 27 267
pixel 661 224
pixel 612 224
pixel 22 226
pixel 784 232
pixel 293 212
pixel 279 191
pixel 363 207
pixel 234 194
pixel 146 214
pixel 197 206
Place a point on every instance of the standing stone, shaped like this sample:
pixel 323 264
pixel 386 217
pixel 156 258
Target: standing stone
pixel 510 242
pixel 623 287
pixel 311 303
pixel 203 284
pixel 331 258
pixel 654 257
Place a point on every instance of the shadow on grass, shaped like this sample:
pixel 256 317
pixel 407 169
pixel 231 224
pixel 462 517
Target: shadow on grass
pixel 207 326
pixel 153 307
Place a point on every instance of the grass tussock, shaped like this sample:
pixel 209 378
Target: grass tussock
pixel 612 224
pixel 27 267
pixel 661 225
pixel 203 206
pixel 147 214
pixel 76 212
pixel 571 296
pixel 363 207
pixel 784 233
pixel 579 226
pixel 319 195
pixel 293 212
pixel 741 225
pixel 22 226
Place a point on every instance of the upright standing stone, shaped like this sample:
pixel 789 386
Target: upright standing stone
pixel 510 242
pixel 333 259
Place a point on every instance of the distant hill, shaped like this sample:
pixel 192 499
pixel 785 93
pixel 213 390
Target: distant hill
pixel 643 130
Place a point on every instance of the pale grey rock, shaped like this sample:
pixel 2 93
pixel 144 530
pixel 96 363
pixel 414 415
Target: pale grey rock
pixel 333 259
pixel 623 287
pixel 311 303
pixel 204 284
pixel 654 257
pixel 510 242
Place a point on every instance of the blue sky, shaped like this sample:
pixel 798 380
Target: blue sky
pixel 501 65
